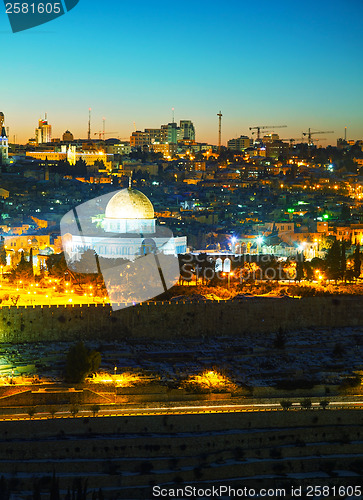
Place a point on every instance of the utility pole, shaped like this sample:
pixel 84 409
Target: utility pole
pixel 219 131
pixel 345 134
pixel 89 124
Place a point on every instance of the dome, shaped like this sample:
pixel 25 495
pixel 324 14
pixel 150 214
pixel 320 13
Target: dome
pixel 129 204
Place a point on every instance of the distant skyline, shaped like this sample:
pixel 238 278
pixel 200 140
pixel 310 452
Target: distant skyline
pixel 271 63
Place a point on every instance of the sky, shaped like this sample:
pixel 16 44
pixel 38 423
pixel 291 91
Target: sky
pixel 261 63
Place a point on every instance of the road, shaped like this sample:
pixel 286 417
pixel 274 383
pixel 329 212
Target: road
pixel 182 410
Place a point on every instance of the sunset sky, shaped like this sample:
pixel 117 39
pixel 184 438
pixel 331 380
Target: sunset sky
pixel 262 63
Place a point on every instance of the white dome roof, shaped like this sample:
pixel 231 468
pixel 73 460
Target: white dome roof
pixel 129 204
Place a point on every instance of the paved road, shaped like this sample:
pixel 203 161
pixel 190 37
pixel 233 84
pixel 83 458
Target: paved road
pixel 183 410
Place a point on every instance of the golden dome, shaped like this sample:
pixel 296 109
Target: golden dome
pixel 129 204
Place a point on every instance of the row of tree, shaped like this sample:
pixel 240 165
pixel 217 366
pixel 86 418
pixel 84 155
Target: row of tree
pixel 334 266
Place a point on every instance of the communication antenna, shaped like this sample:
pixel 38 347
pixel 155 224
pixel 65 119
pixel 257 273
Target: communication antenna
pixel 219 131
pixel 172 111
pixel 89 123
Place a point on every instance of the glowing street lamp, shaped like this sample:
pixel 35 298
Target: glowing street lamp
pixel 259 241
pixel 228 274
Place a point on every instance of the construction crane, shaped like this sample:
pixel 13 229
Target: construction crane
pixel 309 133
pixel 263 127
pixel 291 140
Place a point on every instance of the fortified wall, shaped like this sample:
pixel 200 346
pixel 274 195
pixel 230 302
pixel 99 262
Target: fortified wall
pixel 176 319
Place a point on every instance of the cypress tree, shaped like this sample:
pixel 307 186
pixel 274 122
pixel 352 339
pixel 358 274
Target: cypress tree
pixel 357 261
pixel 333 261
pixel 299 267
pixel 2 252
pixel 343 262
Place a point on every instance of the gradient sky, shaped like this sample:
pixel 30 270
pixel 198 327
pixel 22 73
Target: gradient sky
pixel 266 62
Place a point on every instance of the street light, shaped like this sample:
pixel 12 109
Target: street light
pixel 259 241
pixel 229 274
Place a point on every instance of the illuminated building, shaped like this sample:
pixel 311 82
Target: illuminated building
pixel 168 150
pixel 186 131
pixel 128 213
pixel 4 144
pixel 43 134
pixel 138 139
pixel 239 144
pixel 72 156
pixel 275 149
pixel 120 148
pixel 169 133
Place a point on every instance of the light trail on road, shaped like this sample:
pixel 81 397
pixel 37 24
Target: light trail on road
pixel 182 410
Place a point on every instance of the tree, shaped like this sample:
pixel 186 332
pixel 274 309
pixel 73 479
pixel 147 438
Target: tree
pixel 24 269
pixel 37 494
pixel 333 261
pixel 95 409
pixel 31 270
pixel 54 489
pixel 57 265
pixel 286 404
pixel 74 410
pixel 94 358
pixel 31 411
pixel 80 363
pixel 324 404
pixel 2 253
pixel 309 271
pixel 343 261
pixel 338 350
pixel 345 212
pixel 52 410
pixel 306 404
pixel 280 339
pixel 357 261
pixel 299 267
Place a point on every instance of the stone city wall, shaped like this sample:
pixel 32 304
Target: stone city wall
pixel 175 319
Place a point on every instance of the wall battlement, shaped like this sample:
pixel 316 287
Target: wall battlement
pixel 175 319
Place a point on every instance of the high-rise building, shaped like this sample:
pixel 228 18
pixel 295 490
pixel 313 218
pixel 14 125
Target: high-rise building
pixel 186 131
pixel 43 134
pixel 166 134
pixel 276 149
pixel 152 135
pixel 138 139
pixel 68 136
pixel 4 144
pixel 240 144
pixel 172 133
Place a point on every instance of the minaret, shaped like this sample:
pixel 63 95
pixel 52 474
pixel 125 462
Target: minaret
pixel 4 143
